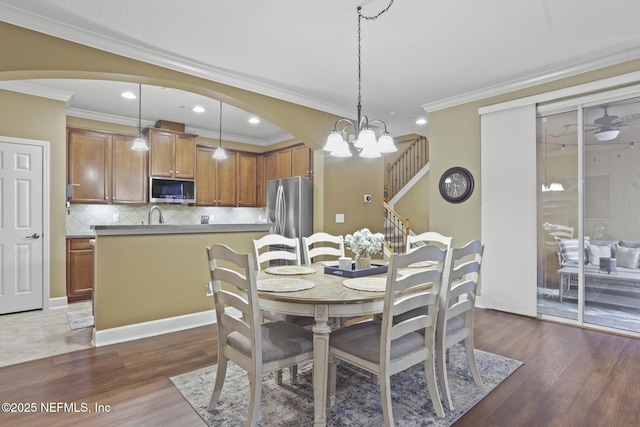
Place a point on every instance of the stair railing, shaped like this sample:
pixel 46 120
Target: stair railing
pixel 396 230
pixel 406 166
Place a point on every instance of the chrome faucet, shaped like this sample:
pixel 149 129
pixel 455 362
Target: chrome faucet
pixel 160 218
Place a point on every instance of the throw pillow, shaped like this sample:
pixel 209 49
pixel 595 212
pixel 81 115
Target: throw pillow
pixel 627 257
pixel 569 250
pixel 596 252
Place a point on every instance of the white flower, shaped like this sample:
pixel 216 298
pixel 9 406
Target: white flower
pixel 364 242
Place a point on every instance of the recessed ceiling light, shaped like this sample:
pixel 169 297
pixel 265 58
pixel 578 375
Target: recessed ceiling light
pixel 128 95
pixel 393 113
pixel 421 121
pixel 198 109
pixel 254 120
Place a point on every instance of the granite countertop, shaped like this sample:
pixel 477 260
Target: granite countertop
pixel 81 235
pixel 114 230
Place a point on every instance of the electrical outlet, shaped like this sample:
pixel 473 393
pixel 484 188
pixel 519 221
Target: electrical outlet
pixel 367 198
pixel 116 217
pixel 209 289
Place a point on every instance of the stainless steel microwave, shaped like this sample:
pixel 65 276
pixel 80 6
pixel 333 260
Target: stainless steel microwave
pixel 166 190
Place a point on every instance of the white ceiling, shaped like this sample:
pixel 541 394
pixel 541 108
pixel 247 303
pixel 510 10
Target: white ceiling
pixel 419 56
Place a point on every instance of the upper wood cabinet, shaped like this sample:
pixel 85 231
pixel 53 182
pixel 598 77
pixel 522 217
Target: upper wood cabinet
pixel 103 169
pixel 215 179
pixel 283 163
pixel 88 166
pixel 247 179
pixel 269 160
pixel 129 183
pixel 172 154
pixel 302 161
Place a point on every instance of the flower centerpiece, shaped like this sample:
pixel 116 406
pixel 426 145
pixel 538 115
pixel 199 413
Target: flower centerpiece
pixel 364 243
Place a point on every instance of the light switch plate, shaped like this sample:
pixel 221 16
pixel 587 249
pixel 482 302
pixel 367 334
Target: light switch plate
pixel 339 218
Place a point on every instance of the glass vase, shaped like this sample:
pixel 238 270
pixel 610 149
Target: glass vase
pixel 363 262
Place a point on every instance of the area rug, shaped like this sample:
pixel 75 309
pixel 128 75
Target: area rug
pixel 357 398
pixel 80 319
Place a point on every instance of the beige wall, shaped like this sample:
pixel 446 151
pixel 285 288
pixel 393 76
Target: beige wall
pixel 145 278
pixel 30 117
pixel 454 140
pixel 415 205
pixel 35 55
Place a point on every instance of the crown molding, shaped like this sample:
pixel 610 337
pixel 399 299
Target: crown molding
pixel 117 44
pixel 29 89
pixel 537 79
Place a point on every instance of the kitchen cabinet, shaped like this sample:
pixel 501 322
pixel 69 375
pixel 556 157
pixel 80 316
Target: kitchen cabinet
pixel 129 170
pixel 172 154
pixel 283 163
pixel 103 169
pixel 302 161
pixel 247 179
pixel 261 183
pixel 215 179
pixel 269 160
pixel 88 165
pixel 79 270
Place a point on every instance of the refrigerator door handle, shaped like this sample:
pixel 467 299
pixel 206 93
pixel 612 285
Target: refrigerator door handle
pixel 280 212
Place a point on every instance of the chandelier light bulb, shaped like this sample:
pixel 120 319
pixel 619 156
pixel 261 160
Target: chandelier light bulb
pixel 370 152
pixel 385 144
pixel 342 150
pixel 366 139
pixel 333 141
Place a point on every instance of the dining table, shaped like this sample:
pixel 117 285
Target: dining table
pixel 306 290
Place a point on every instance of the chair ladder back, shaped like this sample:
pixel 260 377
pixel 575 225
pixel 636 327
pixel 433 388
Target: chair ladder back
pixel 462 281
pixel 407 292
pixel 288 249
pixel 244 300
pixel 312 249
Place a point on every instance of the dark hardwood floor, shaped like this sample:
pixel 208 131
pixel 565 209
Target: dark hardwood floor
pixel 571 377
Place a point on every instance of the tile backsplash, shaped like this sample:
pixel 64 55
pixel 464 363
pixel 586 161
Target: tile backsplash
pixel 81 217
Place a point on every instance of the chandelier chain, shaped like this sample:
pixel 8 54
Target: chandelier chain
pixel 368 18
pixel 371 18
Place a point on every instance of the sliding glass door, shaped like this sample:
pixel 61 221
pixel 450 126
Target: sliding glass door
pixel 589 214
pixel 557 148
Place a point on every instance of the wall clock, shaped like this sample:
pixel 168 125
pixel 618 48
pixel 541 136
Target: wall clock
pixel 456 185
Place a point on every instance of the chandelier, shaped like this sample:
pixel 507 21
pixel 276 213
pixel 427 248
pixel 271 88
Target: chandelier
pixel 365 137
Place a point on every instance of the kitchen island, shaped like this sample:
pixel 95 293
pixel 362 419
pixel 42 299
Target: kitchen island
pixel 151 279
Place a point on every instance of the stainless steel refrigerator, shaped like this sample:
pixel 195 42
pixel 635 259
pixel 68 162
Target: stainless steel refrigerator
pixel 290 206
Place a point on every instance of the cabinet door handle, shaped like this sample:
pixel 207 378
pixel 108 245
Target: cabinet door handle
pixel 33 236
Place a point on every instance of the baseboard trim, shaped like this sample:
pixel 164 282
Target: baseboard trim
pixel 154 328
pixel 59 302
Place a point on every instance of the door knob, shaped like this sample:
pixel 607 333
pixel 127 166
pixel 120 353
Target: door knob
pixel 33 236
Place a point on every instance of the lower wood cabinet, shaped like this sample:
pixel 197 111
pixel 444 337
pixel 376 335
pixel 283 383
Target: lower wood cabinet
pixel 79 270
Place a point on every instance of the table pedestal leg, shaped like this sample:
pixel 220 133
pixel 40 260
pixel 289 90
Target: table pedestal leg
pixel 321 332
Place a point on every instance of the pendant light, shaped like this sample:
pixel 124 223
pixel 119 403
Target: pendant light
pixel 219 154
pixel 365 138
pixel 140 144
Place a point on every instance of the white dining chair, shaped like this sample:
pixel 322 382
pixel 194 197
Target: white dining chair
pixel 426 238
pixel 242 337
pixel 385 348
pixel 322 243
pixel 455 314
pixel 276 247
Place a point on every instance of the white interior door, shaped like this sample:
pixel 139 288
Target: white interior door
pixel 21 226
